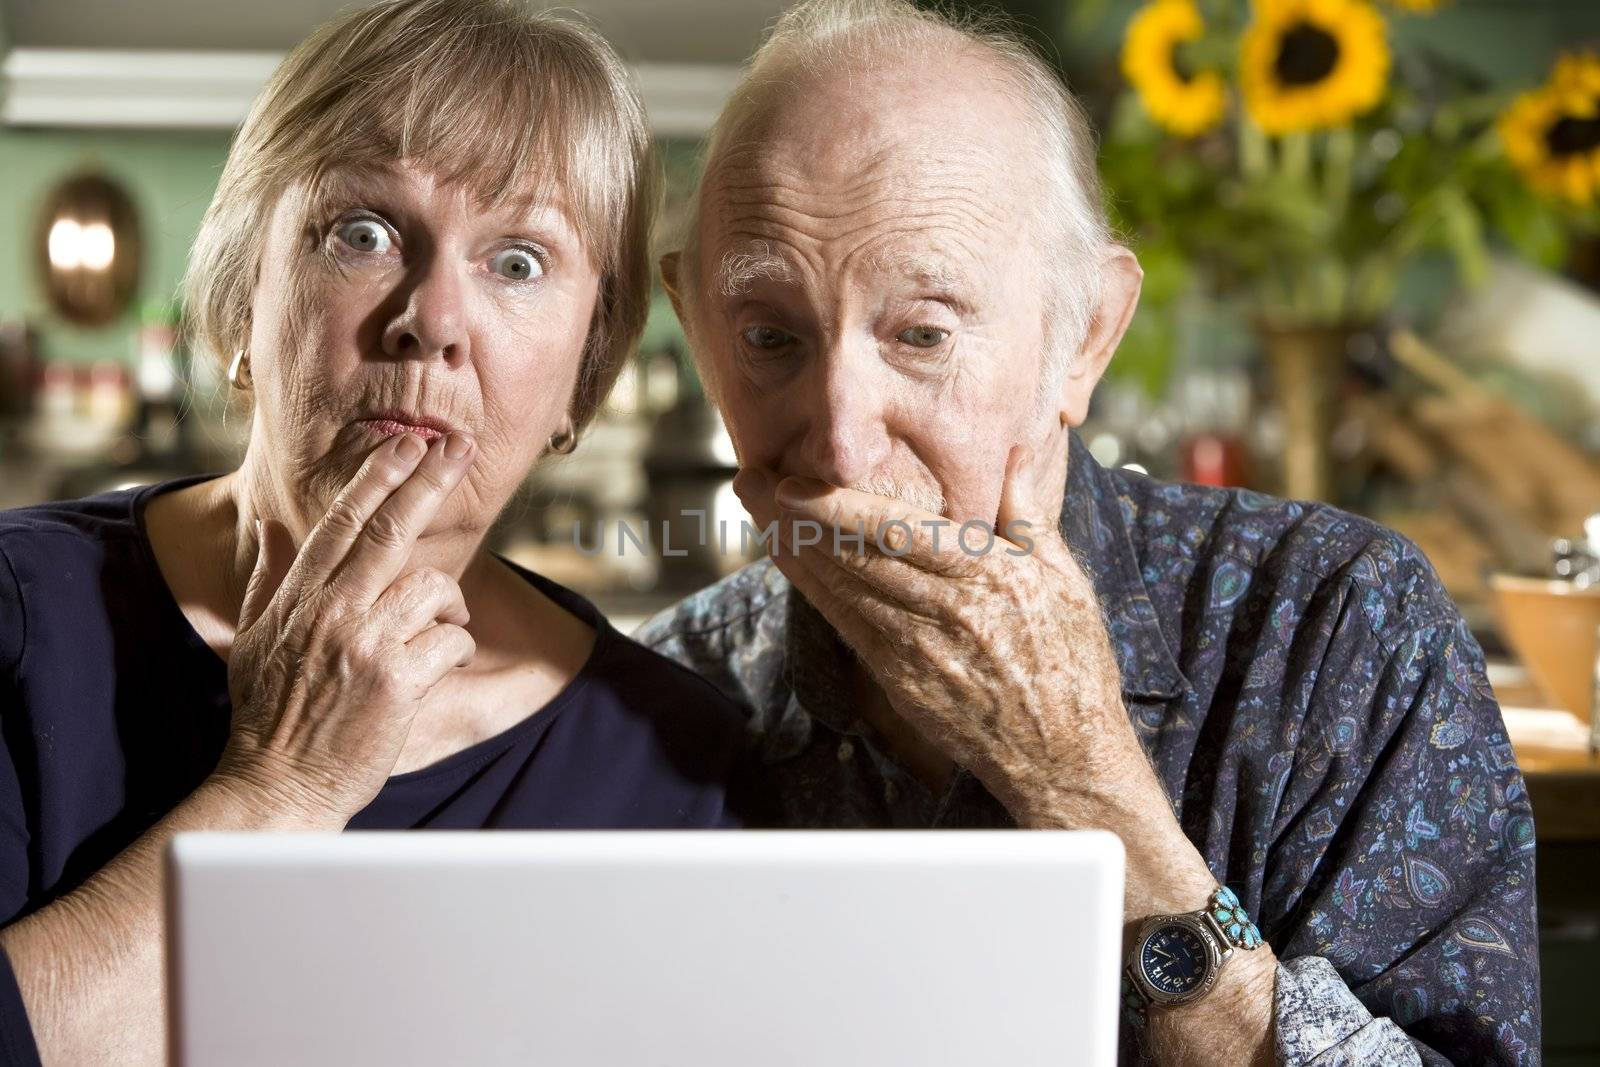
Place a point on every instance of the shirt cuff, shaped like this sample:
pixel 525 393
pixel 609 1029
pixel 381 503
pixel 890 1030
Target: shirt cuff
pixel 1320 1023
pixel 17 1048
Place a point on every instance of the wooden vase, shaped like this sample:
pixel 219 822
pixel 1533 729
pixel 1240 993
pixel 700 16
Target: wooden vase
pixel 1307 365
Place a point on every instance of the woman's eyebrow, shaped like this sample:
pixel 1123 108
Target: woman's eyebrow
pixel 350 183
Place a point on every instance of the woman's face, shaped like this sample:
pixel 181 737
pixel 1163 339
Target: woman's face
pixel 396 303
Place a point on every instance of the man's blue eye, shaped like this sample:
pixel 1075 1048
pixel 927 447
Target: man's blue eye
pixel 765 337
pixel 365 235
pixel 923 336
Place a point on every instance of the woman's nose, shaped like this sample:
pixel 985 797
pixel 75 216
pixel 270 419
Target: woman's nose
pixel 433 321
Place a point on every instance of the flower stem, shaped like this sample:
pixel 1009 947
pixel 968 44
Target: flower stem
pixel 1254 158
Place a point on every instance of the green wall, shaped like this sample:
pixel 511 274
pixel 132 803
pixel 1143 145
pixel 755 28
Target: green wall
pixel 170 177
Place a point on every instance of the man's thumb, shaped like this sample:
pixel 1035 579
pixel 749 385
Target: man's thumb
pixel 1027 517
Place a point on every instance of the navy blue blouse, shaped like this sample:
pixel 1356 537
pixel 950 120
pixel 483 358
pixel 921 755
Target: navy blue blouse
pixel 113 710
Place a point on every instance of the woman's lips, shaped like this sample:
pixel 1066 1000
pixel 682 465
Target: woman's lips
pixel 396 427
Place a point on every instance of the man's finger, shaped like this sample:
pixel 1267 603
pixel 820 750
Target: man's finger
pixel 385 470
pixel 385 542
pixel 889 577
pixel 867 622
pixel 754 487
pixel 891 527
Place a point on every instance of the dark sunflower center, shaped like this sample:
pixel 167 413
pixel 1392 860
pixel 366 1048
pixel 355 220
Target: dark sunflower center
pixel 1182 63
pixel 1571 136
pixel 1306 55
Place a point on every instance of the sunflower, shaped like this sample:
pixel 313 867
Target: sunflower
pixel 1186 102
pixel 1552 134
pixel 1311 64
pixel 1422 7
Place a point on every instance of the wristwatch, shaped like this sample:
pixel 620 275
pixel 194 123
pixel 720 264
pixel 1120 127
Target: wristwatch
pixel 1175 959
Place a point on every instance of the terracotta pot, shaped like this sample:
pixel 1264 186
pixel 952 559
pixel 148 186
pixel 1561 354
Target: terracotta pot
pixel 1554 628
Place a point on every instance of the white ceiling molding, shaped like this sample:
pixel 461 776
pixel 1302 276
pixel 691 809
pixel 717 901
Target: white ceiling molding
pixel 684 98
pixel 69 87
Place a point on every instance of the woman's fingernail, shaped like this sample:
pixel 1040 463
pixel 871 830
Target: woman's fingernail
pixel 457 446
pixel 410 448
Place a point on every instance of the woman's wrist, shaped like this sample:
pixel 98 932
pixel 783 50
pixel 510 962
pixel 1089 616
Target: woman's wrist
pixel 252 798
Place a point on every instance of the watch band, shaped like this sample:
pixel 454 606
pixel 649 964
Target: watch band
pixel 1222 926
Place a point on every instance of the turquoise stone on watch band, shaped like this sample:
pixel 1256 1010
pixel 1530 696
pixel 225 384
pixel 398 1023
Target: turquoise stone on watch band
pixel 1230 915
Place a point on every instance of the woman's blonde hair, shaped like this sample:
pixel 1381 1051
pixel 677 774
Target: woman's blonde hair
pixel 514 104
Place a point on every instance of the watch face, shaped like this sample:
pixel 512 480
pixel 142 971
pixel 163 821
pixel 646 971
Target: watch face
pixel 1174 960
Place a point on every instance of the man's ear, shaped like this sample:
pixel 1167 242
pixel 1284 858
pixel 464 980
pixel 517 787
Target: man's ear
pixel 1119 295
pixel 669 265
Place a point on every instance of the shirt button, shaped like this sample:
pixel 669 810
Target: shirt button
pixel 846 750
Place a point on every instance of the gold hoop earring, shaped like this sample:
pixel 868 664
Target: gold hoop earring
pixel 564 441
pixel 239 371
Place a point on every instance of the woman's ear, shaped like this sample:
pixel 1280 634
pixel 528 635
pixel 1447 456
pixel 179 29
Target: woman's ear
pixel 1121 280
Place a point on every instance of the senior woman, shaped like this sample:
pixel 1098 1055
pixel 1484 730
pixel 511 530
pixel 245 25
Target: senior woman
pixel 425 260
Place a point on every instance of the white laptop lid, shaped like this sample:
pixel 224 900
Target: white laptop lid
pixel 622 948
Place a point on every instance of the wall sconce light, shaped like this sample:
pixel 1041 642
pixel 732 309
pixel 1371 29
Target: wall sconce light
pixel 88 249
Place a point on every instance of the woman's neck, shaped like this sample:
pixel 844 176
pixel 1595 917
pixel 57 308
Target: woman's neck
pixel 205 542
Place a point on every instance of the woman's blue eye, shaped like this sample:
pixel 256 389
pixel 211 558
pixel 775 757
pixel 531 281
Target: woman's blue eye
pixel 518 264
pixel 923 336
pixel 765 337
pixel 365 235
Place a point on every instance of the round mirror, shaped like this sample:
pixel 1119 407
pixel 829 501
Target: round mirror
pixel 88 249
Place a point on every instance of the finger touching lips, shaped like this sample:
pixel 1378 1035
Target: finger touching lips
pixel 386 541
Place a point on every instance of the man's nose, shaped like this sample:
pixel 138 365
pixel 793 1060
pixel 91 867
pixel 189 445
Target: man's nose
pixel 846 438
pixel 432 323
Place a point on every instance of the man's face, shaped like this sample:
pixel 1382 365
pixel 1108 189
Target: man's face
pixel 870 288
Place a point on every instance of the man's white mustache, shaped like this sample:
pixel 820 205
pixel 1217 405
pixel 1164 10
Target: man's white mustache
pixel 924 498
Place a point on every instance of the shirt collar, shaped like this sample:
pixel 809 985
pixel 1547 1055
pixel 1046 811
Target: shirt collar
pixel 1096 514
pixel 1094 522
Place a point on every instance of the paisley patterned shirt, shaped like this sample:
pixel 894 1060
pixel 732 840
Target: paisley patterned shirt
pixel 1319 716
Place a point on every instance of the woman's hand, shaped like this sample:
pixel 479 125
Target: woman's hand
pixel 336 647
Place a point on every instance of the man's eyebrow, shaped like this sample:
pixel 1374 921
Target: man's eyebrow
pixel 934 271
pixel 749 262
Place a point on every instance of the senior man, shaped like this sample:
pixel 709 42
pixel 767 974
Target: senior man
pixel 901 291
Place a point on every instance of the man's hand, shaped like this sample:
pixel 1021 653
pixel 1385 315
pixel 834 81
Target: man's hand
pixel 998 654
pixel 990 646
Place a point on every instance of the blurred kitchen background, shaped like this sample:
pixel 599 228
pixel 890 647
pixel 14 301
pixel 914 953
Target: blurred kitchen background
pixel 1371 245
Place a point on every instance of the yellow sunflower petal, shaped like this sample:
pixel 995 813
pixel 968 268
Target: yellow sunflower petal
pixel 1550 136
pixel 1185 105
pixel 1311 64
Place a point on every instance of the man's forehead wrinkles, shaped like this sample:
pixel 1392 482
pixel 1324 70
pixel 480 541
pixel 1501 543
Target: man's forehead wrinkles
pixel 958 211
pixel 867 194
pixel 922 231
pixel 956 240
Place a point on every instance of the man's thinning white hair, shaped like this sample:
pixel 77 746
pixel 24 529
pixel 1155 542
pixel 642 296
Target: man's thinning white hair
pixel 819 36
